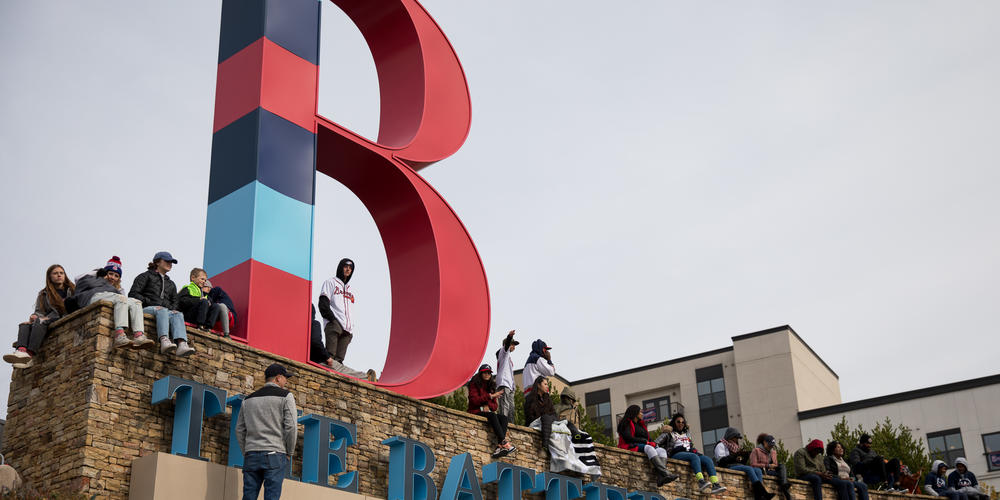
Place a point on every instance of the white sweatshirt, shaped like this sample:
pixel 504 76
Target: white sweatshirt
pixel 341 300
pixel 540 368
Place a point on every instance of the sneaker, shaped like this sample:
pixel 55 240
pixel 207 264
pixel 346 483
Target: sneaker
pixel 184 350
pixel 717 488
pixel 510 448
pixel 499 452
pixel 121 340
pixel 704 486
pixel 18 356
pixel 166 346
pixel 141 341
pixel 26 364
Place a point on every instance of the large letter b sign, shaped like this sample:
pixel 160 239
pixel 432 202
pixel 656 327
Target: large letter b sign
pixel 267 146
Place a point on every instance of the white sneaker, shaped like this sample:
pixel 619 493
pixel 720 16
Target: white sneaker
pixel 166 346
pixel 183 349
pixel 121 340
pixel 26 364
pixel 17 356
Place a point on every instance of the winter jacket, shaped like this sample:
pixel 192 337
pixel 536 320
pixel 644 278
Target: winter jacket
pixel 189 297
pixel 725 458
pixel 804 464
pixel 536 405
pixel 154 289
pixel 537 365
pixel 219 296
pixel 267 421
pixel 479 396
pixel 46 311
pixel 761 459
pixel 859 455
pixel 89 285
pixel 675 442
pixel 633 435
pixel 833 468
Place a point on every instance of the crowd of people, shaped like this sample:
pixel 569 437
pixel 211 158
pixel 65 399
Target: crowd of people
pixel 152 292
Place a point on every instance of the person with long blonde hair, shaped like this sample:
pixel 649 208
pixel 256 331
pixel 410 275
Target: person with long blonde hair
pixel 49 306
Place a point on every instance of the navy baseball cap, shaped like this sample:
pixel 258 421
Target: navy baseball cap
pixel 276 369
pixel 165 256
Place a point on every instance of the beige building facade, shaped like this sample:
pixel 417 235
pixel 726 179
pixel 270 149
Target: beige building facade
pixel 961 419
pixel 758 384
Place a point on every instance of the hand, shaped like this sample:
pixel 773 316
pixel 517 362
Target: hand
pixel 32 318
pixel 826 475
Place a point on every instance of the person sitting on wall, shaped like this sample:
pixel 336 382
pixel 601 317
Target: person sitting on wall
pixel 483 401
pixel 809 467
pixel 317 351
pixel 873 469
pixel 936 484
pixel 730 454
pixel 633 436
pixel 539 364
pixel 197 308
pixel 964 481
pixel 567 410
pixel 676 440
pixel 105 284
pixel 765 457
pixel 219 296
pixel 158 294
pixel 538 406
pixel 842 480
pixel 49 306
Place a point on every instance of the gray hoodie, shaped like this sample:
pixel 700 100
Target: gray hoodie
pixel 267 421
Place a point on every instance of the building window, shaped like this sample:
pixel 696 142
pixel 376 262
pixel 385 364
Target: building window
pixel 711 393
pixel 599 408
pixel 991 443
pixel 711 438
pixel 660 407
pixel 946 445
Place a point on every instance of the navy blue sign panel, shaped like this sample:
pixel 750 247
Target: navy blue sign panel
pixel 512 480
pixel 294 26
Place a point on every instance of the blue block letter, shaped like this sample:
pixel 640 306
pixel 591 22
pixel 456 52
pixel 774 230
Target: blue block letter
pixel 410 465
pixel 601 491
pixel 461 482
pixel 321 457
pixel 558 487
pixel 194 402
pixel 511 480
pixel 235 453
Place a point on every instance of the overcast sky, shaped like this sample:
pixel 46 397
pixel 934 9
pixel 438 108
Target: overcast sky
pixel 643 179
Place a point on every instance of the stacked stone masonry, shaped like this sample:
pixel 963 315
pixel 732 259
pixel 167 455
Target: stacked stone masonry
pixel 78 418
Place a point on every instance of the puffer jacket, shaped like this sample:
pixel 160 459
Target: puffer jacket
pixel 154 289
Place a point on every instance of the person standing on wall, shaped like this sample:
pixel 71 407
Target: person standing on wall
pixel 505 376
pixel 335 302
pixel 266 431
pixel 539 364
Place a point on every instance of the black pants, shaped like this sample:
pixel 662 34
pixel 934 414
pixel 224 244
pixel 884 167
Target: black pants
pixel 499 424
pixel 204 314
pixel 781 473
pixel 878 470
pixel 547 420
pixel 317 351
pixel 31 335
pixel 337 340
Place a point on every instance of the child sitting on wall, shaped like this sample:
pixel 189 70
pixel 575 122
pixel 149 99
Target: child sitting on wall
pixel 194 302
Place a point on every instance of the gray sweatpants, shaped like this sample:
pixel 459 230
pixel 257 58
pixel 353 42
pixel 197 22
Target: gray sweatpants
pixel 507 403
pixel 125 309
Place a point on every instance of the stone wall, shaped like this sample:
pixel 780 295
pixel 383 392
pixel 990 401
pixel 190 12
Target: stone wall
pixel 78 418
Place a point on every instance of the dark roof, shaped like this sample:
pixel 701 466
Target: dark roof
pixel 789 328
pixel 654 365
pixel 901 396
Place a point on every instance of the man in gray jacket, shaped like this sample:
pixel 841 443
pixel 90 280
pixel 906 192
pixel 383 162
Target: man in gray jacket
pixel 266 431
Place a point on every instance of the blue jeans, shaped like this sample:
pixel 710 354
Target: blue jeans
pixel 844 488
pixel 168 321
pixel 862 490
pixel 753 473
pixel 263 468
pixel 697 461
pixel 816 483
